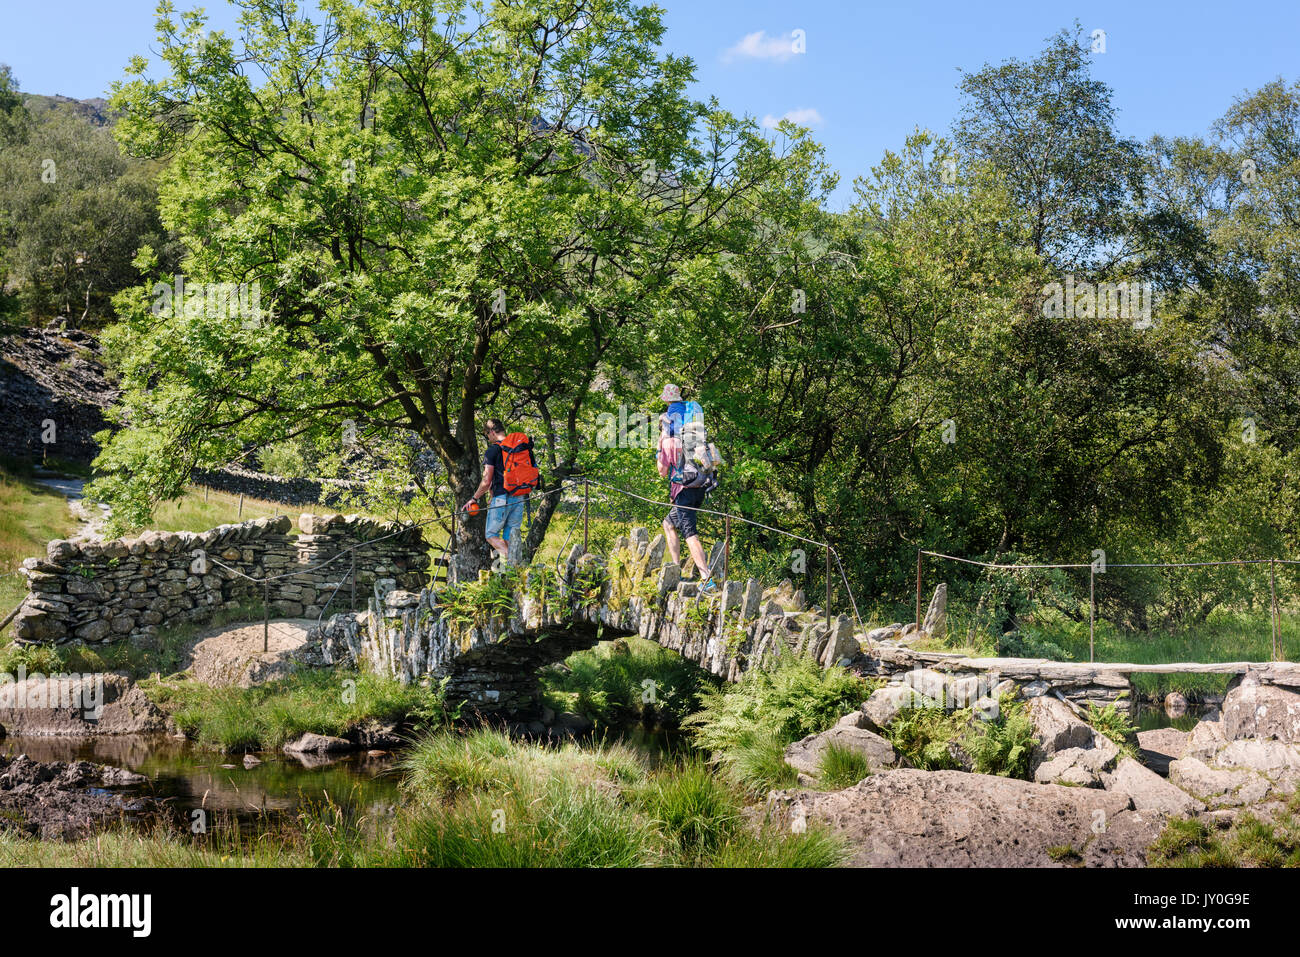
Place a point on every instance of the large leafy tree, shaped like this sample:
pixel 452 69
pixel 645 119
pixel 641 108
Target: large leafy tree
pixel 448 209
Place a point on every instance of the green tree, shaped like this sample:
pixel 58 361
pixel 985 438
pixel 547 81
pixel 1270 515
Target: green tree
pixel 76 211
pixel 1049 128
pixel 447 209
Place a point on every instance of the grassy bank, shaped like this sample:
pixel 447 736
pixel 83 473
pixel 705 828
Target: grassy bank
pixel 318 702
pixel 1252 840
pixel 1225 635
pixel 30 515
pixel 484 800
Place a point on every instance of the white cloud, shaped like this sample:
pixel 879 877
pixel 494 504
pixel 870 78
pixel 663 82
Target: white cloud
pixel 805 117
pixel 759 46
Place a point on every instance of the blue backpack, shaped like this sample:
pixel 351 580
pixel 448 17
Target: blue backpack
pixel 698 464
pixel 681 413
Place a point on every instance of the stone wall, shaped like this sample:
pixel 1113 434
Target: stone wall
pixel 132 587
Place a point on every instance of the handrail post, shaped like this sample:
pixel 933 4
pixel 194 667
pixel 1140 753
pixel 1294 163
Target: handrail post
pixel 1272 588
pixel 918 589
pixel 586 513
pixel 726 551
pixel 1092 609
pixel 828 589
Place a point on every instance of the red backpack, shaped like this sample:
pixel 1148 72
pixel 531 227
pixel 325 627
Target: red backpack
pixel 521 475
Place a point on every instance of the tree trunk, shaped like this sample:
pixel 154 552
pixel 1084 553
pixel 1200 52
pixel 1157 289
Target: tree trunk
pixel 470 551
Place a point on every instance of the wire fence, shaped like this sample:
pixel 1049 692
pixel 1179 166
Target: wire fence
pixel 1184 595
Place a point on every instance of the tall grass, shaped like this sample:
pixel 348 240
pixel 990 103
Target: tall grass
pixel 267 716
pixel 484 800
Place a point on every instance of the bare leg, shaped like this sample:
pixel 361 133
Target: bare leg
pixel 500 547
pixel 674 546
pixel 697 556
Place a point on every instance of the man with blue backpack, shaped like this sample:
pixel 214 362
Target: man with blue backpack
pixel 690 463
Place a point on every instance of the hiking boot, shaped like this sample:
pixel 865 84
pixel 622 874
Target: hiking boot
pixel 710 587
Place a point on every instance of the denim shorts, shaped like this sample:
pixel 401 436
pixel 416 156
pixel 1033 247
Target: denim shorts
pixel 505 511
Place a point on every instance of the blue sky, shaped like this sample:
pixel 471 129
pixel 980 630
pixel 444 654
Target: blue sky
pixel 871 71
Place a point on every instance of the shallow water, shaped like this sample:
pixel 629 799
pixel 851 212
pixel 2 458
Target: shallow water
pixel 186 777
pixel 1153 716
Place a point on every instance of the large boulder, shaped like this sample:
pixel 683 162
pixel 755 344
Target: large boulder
pixel 885 704
pixel 1081 767
pixel 805 755
pixel 233 655
pixel 1219 787
pixel 91 704
pixel 1254 710
pixel 1056 728
pixel 1149 791
pixel 1204 740
pixel 1159 746
pixel 912 818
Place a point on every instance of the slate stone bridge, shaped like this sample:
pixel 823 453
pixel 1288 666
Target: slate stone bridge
pixel 491 663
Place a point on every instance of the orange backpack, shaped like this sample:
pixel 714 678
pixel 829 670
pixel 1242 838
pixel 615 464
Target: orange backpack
pixel 521 474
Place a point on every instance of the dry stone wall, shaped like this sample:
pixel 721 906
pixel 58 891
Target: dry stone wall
pixel 132 587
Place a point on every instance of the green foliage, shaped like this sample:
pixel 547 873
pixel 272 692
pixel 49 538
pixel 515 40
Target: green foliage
pixel 73 210
pixel 842 767
pixel 795 698
pixel 747 725
pixel 926 736
pixel 486 599
pixel 1002 746
pixel 589 580
pixel 1116 725
pixel 578 190
pixel 625 681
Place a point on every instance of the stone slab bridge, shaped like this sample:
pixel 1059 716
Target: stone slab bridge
pixel 489 655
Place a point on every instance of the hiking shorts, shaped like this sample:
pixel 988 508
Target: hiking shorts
pixel 684 518
pixel 505 512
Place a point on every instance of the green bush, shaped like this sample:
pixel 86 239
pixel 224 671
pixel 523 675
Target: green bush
pixel 924 736
pixel 1002 746
pixel 1116 725
pixel 626 681
pixel 747 725
pixel 794 699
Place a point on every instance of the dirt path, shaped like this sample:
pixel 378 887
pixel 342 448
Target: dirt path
pixel 92 517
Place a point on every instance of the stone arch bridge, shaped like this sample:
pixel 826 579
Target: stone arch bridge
pixel 491 660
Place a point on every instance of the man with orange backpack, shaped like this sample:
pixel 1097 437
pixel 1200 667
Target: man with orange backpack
pixel 510 471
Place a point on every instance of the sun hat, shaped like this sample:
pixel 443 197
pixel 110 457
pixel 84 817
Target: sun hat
pixel 670 394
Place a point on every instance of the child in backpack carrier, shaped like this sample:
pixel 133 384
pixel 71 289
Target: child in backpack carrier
pixel 677 428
